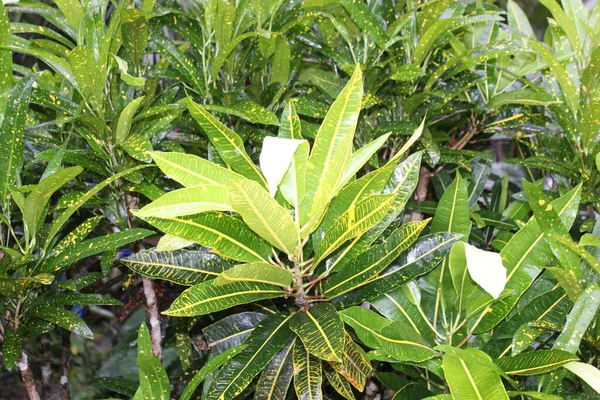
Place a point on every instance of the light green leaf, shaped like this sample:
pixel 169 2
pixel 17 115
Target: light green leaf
pixel 535 362
pixel 321 330
pixel 330 154
pixel 170 243
pixel 90 78
pixel 184 267
pixel 125 120
pixel 6 66
pixel 293 183
pixel 228 143
pixel 587 372
pixel 579 319
pixel 264 215
pixel 134 31
pixel 154 382
pixel 256 272
pixel 366 323
pixel 188 201
pixel 73 11
pixel 206 298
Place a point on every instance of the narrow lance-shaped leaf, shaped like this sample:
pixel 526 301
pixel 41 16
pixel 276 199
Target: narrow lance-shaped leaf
pixel 134 29
pixel 5 61
pixel 321 330
pixel 125 120
pixel 154 382
pixel 228 143
pixel 328 158
pixel 188 201
pixel 11 140
pixel 535 362
pixel 57 315
pixel 267 339
pixel 90 79
pixel 264 215
pixel 231 330
pixel 355 365
pixel 206 298
pixel 308 374
pixel 184 267
pixel 277 376
pixel 275 159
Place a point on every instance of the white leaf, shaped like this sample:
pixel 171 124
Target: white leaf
pixel 170 243
pixel 587 372
pixel 275 159
pixel 486 269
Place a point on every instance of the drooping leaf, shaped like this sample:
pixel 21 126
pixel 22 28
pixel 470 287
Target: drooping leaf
pixel 587 372
pixel 277 376
pixel 535 362
pixel 57 315
pixel 308 374
pixel 231 331
pixel 184 267
pixel 256 272
pixel 355 366
pixel 188 201
pixel 321 330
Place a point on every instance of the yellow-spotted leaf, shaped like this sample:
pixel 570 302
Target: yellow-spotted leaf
pixel 206 298
pixel 228 144
pixel 264 215
pixel 256 272
pixel 188 201
pixel 308 374
pixel 355 365
pixel 321 330
pixel 338 382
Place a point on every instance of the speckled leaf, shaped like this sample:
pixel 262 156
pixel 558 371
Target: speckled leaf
pixel 308 374
pixel 91 247
pixel 211 366
pixel 264 215
pixel 72 10
pixel 588 373
pixel 134 30
pixel 90 79
pixel 61 317
pixel 277 376
pixel 154 382
pixel 321 330
pixel 220 59
pixel 290 127
pixel 5 61
pixel 81 281
pixel 267 339
pixel 367 21
pixel 119 385
pixel 12 345
pixel 39 197
pixel 227 235
pixel 330 153
pixel 206 298
pixel 138 147
pixel 11 140
pixel 535 362
pixel 231 330
pixel 188 201
pixel 247 110
pixel 182 62
pixel 280 70
pixel 184 267
pixel 579 319
pixel 256 272
pixel 355 366
pixel 190 170
pixel 81 299
pixel 229 145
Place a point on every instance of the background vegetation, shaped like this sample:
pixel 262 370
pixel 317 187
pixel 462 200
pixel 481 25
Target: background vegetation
pixel 312 199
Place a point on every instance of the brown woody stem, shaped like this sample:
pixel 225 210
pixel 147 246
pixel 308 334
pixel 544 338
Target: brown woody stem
pixel 27 377
pixel 153 316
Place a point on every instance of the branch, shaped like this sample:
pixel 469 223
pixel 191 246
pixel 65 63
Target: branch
pixel 65 359
pixel 27 377
pixel 153 316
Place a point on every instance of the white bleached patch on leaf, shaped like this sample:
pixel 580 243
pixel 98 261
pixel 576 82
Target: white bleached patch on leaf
pixel 275 159
pixel 486 269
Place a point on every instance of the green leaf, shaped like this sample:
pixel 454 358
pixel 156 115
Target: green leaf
pixel 81 281
pixel 277 376
pixel 188 201
pixel 227 235
pixel 525 96
pixel 61 317
pixel 191 171
pixel 321 330
pixel 280 69
pixel 290 127
pixel 81 299
pixel 206 298
pixel 267 339
pixel 182 62
pixel 264 215
pixel 6 66
pixel 154 382
pixel 256 272
pixel 231 330
pixel 125 120
pixel 329 155
pixel 452 214
pixel 470 380
pixel 226 51
pixel 535 362
pixel 11 140
pixel 73 12
pixel 579 319
pixel 338 382
pixel 308 375
pixel 119 385
pixel 91 247
pixel 366 323
pixel 12 346
pixel 171 243
pixel 373 261
pixel 355 365
pixel 138 147
pixel 425 255
pixel 248 110
pixel 355 221
pixel 129 79
pixel 587 372
pixel 367 21
pixel 38 199
pixel 134 30
pixel 229 145
pixel 211 366
pixel 400 342
pixel 88 75
pixel 361 156
pixel 184 267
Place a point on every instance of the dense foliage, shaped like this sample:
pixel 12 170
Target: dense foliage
pixel 312 199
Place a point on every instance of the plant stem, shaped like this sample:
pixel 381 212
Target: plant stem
pixel 65 360
pixel 153 316
pixel 27 377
